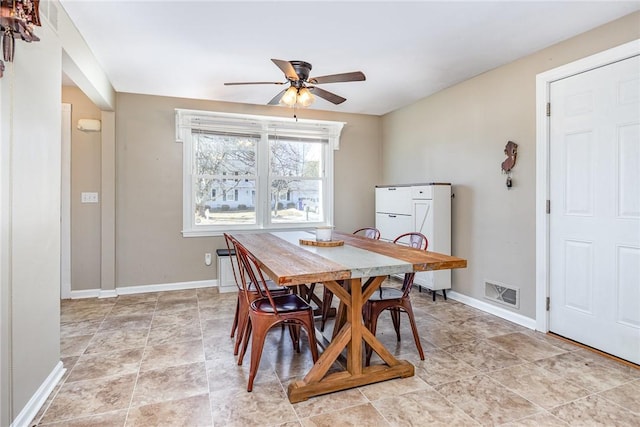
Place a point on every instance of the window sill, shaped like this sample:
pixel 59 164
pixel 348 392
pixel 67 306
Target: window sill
pixel 219 233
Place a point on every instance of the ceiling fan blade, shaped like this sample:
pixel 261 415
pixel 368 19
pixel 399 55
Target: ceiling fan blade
pixel 354 76
pixel 331 97
pixel 287 69
pixel 253 83
pixel 276 99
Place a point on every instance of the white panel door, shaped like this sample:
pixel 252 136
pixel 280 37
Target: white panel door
pixel 594 161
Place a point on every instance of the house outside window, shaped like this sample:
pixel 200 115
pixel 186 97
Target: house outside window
pixel 255 172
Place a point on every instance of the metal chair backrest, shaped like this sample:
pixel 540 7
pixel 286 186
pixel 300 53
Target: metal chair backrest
pixel 253 273
pixel 369 232
pixel 235 266
pixel 415 240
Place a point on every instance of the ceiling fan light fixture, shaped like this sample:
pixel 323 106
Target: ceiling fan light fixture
pixel 290 97
pixel 305 98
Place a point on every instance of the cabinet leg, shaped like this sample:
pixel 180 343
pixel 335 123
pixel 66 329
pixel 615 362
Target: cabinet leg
pixel 444 294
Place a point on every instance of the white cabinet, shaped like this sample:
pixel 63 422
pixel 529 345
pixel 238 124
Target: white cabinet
pixel 425 208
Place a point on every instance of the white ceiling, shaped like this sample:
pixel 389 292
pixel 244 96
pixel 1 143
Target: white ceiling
pixel 407 50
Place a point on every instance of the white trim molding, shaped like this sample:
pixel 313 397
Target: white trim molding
pixel 111 293
pixel 543 82
pixel 141 289
pixel 39 398
pixel 163 287
pixel 505 314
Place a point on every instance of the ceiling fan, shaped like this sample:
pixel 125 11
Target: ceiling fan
pixel 301 87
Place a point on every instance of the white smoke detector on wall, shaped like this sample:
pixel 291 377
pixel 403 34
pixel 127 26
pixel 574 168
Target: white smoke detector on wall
pixel 89 125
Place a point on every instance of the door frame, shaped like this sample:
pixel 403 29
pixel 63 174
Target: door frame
pixel 543 184
pixel 65 204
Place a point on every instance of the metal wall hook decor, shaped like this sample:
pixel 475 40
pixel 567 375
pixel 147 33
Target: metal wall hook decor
pixel 511 150
pixel 17 20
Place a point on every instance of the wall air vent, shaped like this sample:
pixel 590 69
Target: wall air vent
pixel 501 293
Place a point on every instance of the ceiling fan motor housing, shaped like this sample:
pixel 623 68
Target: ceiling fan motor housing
pixel 302 70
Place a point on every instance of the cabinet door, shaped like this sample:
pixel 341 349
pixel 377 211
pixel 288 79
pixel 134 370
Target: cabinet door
pixel 393 200
pixel 423 219
pixel 393 225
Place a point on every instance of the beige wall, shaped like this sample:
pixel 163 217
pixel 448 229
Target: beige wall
pixel 30 156
pixel 30 234
pixel 149 246
pixel 458 135
pixel 85 177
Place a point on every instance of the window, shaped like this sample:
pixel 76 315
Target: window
pixel 255 172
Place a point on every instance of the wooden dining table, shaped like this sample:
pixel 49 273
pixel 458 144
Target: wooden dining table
pixel 353 271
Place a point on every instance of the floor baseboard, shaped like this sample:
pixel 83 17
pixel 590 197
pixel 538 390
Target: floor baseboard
pixel 516 318
pixel 39 398
pixel 130 290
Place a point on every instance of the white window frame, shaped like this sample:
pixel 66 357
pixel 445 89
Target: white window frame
pixel 188 120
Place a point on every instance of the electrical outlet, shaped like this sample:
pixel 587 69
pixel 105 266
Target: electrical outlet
pixel 89 198
pixel 207 259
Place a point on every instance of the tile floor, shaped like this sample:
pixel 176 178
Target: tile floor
pixel 166 359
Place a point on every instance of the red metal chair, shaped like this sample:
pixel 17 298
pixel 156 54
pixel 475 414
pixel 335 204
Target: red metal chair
pixel 268 311
pixel 395 300
pixel 327 295
pixel 242 307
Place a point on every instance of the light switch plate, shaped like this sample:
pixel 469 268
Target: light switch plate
pixel 89 198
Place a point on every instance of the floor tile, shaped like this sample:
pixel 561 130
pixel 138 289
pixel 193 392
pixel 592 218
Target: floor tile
pixel 110 419
pixel 626 395
pixel 265 405
pixel 361 415
pixel 166 358
pixel 137 298
pixel 82 313
pixel 74 345
pixel 177 304
pixel 483 355
pixel 128 322
pixel 609 362
pixel 445 336
pixel 537 420
pixel 192 411
pixel 330 402
pixel 84 327
pixel 393 387
pixel 172 354
pixel 584 372
pixel 441 367
pixel 486 401
pixel 117 340
pixel 483 326
pixel 166 334
pixel 177 295
pixel 538 385
pixel 176 382
pixel 93 397
pixel 525 346
pixel 595 411
pixel 144 307
pixel 421 408
pixel 97 365
pixel 178 317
